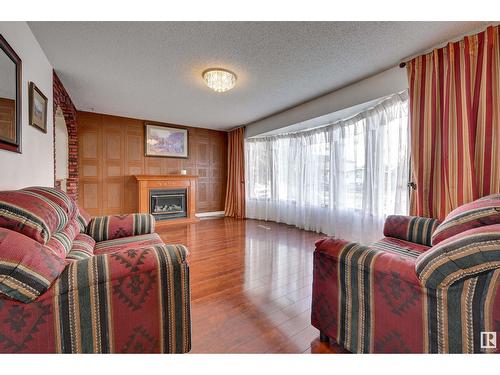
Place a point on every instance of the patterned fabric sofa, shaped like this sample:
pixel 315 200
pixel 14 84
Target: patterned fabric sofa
pixel 427 287
pixel 72 284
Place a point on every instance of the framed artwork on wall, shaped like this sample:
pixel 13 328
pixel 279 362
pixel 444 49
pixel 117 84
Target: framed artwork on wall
pixel 166 141
pixel 37 108
pixel 10 98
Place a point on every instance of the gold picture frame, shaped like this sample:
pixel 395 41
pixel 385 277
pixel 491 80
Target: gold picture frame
pixel 166 141
pixel 38 106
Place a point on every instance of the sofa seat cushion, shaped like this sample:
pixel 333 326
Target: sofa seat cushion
pixel 400 247
pixel 484 211
pixel 83 248
pixel 31 214
pixel 128 243
pixel 27 268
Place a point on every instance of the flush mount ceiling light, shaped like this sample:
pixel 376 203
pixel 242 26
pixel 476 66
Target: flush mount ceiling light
pixel 219 80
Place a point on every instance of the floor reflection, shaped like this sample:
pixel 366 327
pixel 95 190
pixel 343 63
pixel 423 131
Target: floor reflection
pixel 251 286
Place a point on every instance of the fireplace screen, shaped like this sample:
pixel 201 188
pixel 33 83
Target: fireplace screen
pixel 168 204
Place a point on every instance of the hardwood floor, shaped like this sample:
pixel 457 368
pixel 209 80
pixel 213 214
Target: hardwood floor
pixel 251 285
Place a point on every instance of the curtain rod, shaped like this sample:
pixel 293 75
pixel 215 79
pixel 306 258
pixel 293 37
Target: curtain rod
pixel 402 64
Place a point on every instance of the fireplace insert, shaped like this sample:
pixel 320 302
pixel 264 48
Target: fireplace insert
pixel 166 204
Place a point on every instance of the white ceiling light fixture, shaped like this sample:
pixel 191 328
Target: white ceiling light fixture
pixel 219 80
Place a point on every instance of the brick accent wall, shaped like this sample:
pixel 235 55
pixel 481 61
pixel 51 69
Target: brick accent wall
pixel 62 99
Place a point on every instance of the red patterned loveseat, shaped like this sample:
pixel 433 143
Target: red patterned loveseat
pixel 72 284
pixel 427 287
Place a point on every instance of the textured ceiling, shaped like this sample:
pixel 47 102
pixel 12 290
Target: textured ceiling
pixel 152 70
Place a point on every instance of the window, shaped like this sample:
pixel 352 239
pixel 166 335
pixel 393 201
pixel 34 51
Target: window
pixel 354 171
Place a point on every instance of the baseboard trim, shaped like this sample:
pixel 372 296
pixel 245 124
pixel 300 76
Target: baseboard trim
pixel 210 214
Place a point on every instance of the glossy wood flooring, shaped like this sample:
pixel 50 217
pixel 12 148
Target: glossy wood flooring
pixel 251 285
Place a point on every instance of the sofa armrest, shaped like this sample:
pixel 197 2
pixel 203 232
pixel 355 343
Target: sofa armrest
pixel 353 282
pixel 366 258
pixel 117 226
pixel 415 229
pixel 131 300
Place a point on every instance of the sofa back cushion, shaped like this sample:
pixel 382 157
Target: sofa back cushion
pixel 464 254
pixel 31 214
pixel 484 211
pixel 61 242
pixel 57 196
pixel 27 268
pixel 83 219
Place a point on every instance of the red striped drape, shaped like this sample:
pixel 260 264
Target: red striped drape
pixel 455 123
pixel 235 192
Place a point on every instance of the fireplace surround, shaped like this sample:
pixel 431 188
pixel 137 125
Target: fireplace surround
pixel 171 199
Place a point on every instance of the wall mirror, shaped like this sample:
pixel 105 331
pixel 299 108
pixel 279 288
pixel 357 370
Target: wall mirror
pixel 10 98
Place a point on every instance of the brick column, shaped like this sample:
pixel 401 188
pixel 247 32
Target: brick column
pixel 62 99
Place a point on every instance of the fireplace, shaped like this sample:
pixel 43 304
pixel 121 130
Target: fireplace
pixel 161 195
pixel 167 204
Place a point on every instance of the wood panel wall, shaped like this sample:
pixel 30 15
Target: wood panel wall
pixel 7 118
pixel 111 152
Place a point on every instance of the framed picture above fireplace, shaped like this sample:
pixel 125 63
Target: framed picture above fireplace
pixel 166 141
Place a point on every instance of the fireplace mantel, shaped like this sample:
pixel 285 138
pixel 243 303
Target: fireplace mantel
pixel 177 181
pixel 163 177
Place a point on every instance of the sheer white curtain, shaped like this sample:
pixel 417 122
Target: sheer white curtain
pixel 342 179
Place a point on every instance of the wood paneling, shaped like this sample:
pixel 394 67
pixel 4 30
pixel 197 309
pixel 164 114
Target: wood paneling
pixel 111 152
pixel 251 284
pixel 8 119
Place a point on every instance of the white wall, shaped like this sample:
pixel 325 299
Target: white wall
pixel 377 86
pixel 35 166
